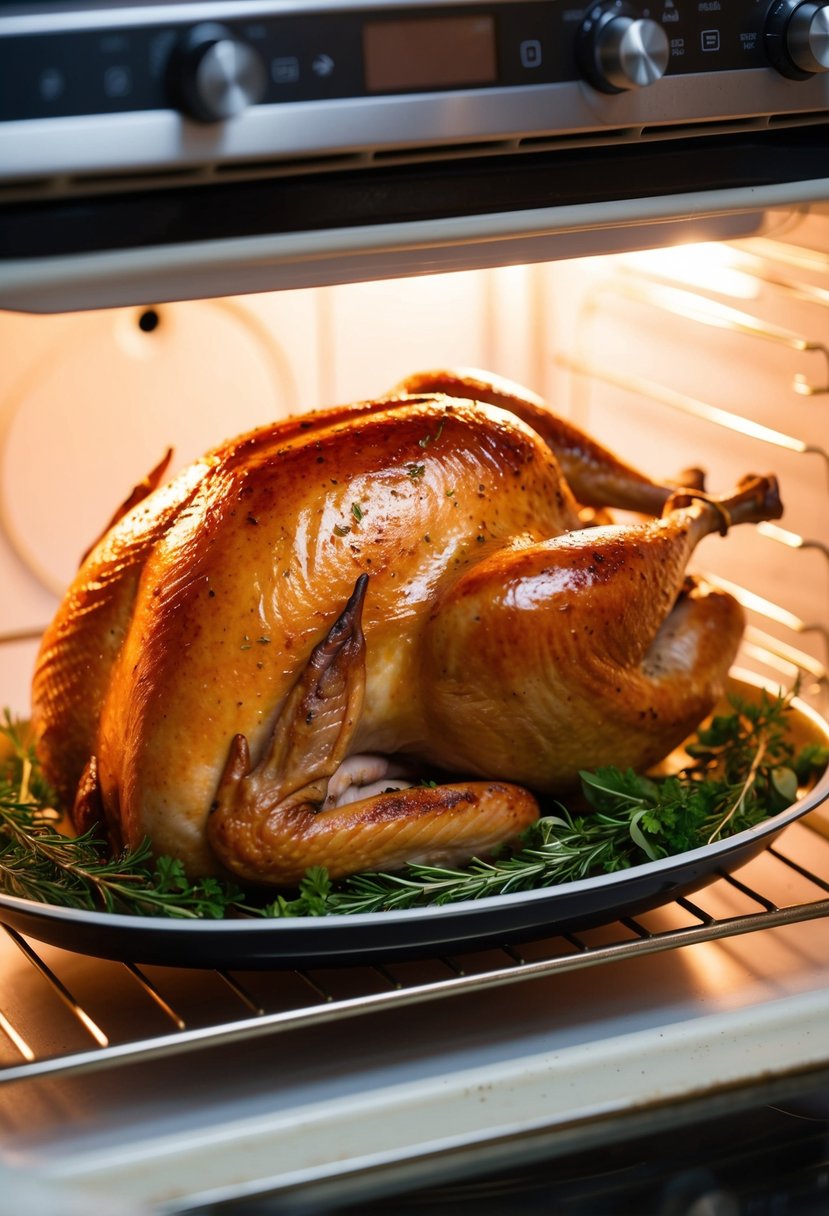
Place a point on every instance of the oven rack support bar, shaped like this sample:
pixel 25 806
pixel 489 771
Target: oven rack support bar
pixel 685 404
pixel 691 305
pixel 461 983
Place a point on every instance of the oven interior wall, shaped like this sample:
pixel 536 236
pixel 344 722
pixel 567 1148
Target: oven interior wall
pixel 716 355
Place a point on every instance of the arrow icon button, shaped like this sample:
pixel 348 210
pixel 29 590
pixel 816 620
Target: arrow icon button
pixel 322 65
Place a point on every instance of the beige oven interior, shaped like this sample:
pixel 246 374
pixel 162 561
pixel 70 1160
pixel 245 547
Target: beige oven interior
pixel 163 1089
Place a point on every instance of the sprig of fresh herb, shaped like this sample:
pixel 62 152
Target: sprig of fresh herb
pixel 39 862
pixel 743 768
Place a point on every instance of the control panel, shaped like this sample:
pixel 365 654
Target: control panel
pixel 212 61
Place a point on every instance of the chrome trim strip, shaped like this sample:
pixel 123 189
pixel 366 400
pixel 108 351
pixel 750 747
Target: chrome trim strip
pixel 106 16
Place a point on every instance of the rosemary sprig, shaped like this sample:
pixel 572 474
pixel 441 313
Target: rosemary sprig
pixel 39 862
pixel 557 849
pixel 743 768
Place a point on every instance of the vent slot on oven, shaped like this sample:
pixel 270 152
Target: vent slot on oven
pixel 84 184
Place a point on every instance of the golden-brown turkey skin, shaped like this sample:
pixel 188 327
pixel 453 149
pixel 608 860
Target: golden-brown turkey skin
pixel 597 477
pixel 252 574
pixel 74 666
pixel 396 577
pixel 594 658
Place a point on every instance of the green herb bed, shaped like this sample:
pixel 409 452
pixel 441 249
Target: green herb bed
pixel 742 767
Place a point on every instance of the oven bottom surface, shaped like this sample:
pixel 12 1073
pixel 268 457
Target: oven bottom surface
pixel 667 1073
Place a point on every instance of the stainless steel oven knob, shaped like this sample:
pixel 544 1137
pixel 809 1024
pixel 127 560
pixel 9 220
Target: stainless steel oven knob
pixel 618 51
pixel 797 38
pixel 216 74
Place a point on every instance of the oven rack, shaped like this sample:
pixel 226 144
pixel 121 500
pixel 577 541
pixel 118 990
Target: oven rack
pixel 797 862
pixel 768 298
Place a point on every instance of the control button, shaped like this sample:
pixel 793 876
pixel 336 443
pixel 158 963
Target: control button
pixel 51 84
pixel 797 38
pixel 322 66
pixel 285 69
pixel 118 80
pixel 530 52
pixel 617 50
pixel 216 75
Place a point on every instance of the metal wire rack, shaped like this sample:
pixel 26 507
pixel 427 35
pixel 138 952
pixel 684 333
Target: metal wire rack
pixel 639 333
pixel 72 1015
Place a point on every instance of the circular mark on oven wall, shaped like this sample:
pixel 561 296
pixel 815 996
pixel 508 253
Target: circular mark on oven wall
pixel 105 400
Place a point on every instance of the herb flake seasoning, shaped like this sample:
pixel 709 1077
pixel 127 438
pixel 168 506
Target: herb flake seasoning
pixel 427 439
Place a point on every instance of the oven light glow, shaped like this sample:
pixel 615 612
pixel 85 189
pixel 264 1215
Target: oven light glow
pixel 783 667
pixel 641 387
pixel 774 653
pixel 782 535
pixel 16 1038
pixel 708 266
pixel 714 968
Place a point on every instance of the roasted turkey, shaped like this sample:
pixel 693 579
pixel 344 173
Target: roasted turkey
pixel 377 633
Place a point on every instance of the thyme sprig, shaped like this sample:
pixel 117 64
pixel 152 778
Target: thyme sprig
pixel 743 768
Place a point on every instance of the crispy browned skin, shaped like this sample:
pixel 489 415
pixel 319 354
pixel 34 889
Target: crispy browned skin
pixel 406 576
pixel 597 477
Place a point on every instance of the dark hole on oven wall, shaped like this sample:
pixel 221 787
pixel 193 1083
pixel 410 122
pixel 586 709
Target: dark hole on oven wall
pixel 149 320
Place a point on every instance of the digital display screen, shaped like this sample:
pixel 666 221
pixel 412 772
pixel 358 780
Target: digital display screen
pixel 429 53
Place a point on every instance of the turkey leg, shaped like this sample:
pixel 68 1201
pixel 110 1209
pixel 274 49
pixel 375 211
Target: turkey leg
pixel 599 628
